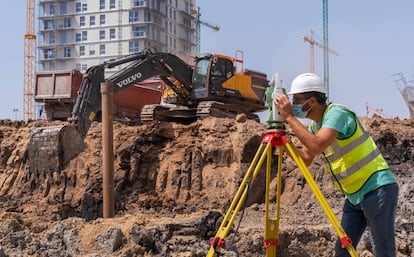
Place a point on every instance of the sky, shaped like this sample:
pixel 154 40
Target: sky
pixel 374 40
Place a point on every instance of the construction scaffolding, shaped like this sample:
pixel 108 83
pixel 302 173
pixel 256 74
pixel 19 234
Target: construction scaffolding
pixel 406 89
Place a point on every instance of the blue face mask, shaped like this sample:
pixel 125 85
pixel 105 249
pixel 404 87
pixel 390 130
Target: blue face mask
pixel 297 110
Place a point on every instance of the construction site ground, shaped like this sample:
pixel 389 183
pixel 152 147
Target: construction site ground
pixel 173 183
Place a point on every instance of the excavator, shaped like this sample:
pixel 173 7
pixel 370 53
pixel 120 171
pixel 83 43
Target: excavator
pixel 212 87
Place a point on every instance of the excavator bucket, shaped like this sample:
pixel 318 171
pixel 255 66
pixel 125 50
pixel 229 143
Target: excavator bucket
pixel 50 148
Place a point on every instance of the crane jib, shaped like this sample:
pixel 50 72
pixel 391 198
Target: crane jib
pixel 131 79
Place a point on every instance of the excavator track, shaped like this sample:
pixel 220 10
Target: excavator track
pixel 157 112
pixel 221 110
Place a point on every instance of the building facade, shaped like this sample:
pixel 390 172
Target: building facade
pixel 77 34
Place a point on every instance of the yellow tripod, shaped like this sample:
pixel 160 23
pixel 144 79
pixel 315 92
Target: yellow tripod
pixel 273 138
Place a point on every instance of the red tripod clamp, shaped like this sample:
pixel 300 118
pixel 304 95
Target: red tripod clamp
pixel 217 242
pixel 345 241
pixel 270 242
pixel 275 138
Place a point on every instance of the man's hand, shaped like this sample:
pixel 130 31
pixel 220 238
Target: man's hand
pixel 283 105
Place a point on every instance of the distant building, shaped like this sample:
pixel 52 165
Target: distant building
pixel 77 34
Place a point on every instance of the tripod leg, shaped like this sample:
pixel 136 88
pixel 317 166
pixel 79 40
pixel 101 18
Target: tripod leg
pixel 271 235
pixel 218 241
pixel 346 242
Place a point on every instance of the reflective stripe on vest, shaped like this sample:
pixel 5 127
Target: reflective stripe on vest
pixel 354 159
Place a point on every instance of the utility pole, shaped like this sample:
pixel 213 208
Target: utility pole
pixel 313 43
pixel 198 29
pixel 325 48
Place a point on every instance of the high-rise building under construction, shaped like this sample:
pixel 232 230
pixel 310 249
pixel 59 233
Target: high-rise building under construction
pixel 77 34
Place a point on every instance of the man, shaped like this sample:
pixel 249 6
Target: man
pixel 352 158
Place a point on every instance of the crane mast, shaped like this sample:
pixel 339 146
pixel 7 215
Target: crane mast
pixel 29 62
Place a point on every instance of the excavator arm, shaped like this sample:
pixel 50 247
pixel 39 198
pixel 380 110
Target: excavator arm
pixel 139 67
pixel 50 148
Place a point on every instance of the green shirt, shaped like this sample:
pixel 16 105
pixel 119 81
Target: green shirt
pixel 344 121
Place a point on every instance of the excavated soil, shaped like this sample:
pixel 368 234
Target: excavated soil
pixel 173 184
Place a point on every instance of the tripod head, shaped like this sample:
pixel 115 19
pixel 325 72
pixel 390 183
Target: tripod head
pixel 275 120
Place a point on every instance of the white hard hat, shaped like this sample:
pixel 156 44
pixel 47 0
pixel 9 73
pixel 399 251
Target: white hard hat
pixel 307 82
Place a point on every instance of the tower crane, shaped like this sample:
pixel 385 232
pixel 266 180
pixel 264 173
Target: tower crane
pixel 312 44
pixel 200 22
pixel 29 62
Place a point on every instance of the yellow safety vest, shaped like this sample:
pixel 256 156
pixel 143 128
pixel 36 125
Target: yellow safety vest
pixel 354 159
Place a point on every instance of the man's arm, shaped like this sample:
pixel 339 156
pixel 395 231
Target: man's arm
pixel 314 144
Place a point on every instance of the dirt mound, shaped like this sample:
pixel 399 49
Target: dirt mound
pixel 173 183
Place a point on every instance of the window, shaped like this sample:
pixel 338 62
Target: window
pixel 66 52
pixel 48 24
pixel 63 9
pixel 187 7
pixel 81 7
pixel 52 38
pixel 92 20
pixel 78 7
pixel 82 21
pixel 67 23
pixel 84 35
pixel 133 46
pixel 102 19
pixel 102 34
pixel 81 50
pixel 112 34
pixel 102 49
pixel 63 38
pixel 221 69
pixel 133 16
pixel 112 4
pixel 138 3
pixel 49 54
pixel 158 6
pixel 101 4
pixel 138 31
pixel 52 10
pixel 187 22
pixel 78 37
pixel 81 36
pixel 92 50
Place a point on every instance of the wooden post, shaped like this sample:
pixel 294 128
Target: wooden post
pixel 107 150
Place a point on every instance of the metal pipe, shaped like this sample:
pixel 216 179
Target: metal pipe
pixel 107 90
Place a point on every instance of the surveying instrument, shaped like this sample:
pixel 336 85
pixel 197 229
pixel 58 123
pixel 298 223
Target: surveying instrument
pixel 275 137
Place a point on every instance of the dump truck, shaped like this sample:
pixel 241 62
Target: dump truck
pixel 57 91
pixel 211 87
